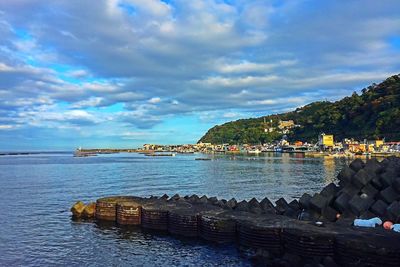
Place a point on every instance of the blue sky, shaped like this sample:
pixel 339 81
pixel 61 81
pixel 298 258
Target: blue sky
pixel 121 73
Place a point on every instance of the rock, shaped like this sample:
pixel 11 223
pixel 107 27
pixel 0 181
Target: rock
pixel 358 205
pixel 388 195
pixel 89 211
pixel 281 205
pixel 242 206
pixel 231 203
pixel 342 202
pixel 379 208
pixel 346 174
pixel 186 197
pixel 393 212
pixel 357 165
pixel 318 203
pixel 304 201
pixel 77 209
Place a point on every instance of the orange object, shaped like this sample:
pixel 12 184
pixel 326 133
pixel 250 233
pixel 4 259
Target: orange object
pixel 387 225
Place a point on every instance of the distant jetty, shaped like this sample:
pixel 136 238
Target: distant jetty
pixel 316 230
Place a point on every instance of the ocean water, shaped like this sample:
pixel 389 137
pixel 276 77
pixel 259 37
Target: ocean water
pixel 37 191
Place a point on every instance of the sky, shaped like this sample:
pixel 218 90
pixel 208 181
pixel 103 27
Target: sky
pixel 121 73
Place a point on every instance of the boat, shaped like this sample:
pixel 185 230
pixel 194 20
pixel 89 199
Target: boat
pixel 160 155
pixel 254 151
pixel 79 153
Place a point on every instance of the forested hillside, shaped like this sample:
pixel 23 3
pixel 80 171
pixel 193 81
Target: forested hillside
pixel 373 114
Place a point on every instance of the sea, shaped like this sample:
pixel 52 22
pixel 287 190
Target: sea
pixel 38 190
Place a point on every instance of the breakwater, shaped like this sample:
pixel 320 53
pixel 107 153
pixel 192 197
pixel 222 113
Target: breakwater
pixel 284 234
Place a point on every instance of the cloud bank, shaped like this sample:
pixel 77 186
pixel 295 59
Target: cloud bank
pixel 169 70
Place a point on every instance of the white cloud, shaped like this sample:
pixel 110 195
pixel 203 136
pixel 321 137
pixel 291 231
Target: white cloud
pixel 154 100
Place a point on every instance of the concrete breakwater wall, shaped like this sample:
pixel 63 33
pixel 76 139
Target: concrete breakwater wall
pixel 284 234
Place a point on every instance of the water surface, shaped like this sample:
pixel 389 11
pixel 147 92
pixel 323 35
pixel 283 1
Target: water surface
pixel 36 192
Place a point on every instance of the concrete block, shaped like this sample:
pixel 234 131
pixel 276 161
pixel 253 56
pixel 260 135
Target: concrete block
pixel 294 204
pixel 318 203
pixel 366 215
pixel 308 215
pixel 369 190
pixel 388 177
pixel 346 174
pixel 242 206
pixel 289 212
pixel 329 214
pixel 358 205
pixel 194 198
pixel 393 212
pixel 329 192
pixel 376 182
pixel 213 200
pixel 254 202
pixel 373 165
pixel 304 201
pixel 203 199
pixel 345 221
pixel 350 190
pixel 175 197
pixel 232 203
pixel 164 197
pixel 389 195
pixel 266 204
pixel 281 205
pixel 379 208
pixel 221 203
pixel 341 203
pixel 396 185
pixel 362 177
pixel 357 165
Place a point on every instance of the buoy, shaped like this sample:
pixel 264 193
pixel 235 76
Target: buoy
pixel 388 225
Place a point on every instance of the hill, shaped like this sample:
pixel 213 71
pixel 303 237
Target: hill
pixel 373 114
